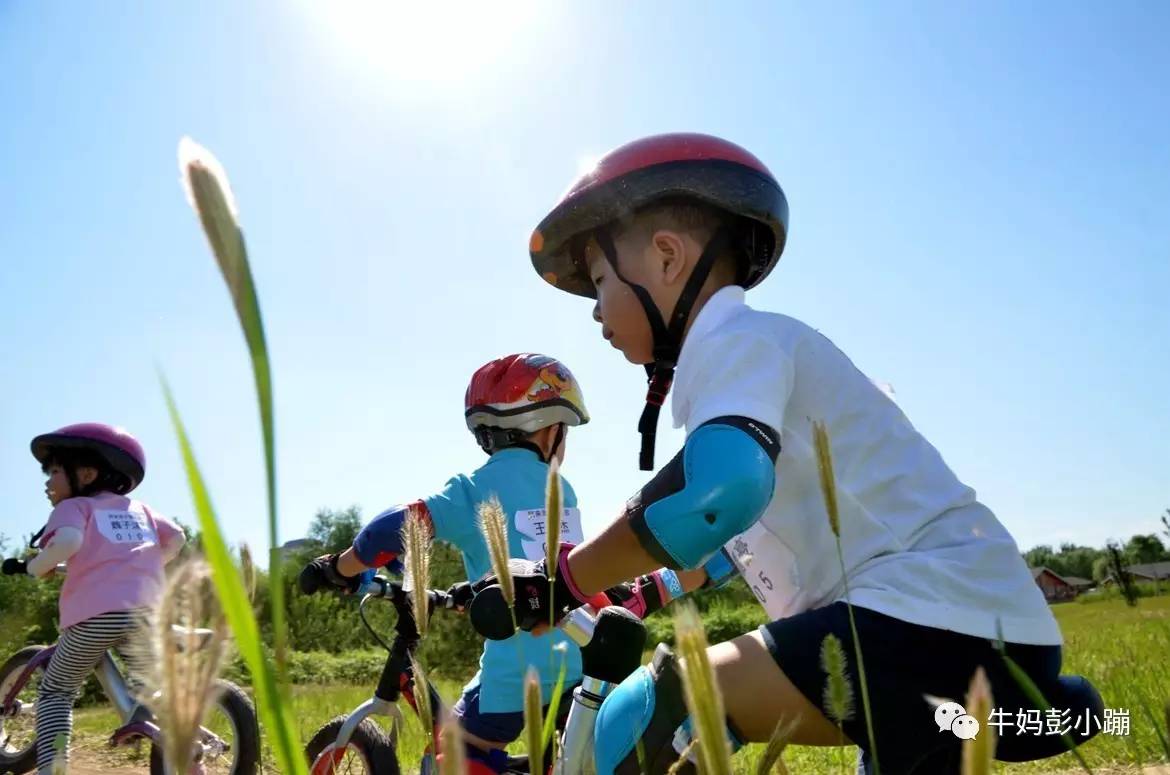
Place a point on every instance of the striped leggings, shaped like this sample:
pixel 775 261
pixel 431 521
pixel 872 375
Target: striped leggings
pixel 79 651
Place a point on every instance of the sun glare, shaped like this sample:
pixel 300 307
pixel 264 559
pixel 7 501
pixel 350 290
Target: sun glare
pixel 585 164
pixel 426 42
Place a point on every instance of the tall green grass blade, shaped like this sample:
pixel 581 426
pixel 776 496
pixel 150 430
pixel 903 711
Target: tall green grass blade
pixel 829 493
pixel 554 702
pixel 451 746
pixel 1036 697
pixel 774 752
pixel 210 194
pixel 237 608
pixel 422 701
pixel 701 692
pixel 552 532
pixel 979 751
pixel 532 724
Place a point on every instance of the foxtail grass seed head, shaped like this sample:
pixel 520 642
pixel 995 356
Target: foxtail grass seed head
pixel 703 698
pixel 979 749
pixel 200 172
pixel 494 526
pixel 838 690
pixel 422 700
pixel 248 569
pixel 451 747
pixel 773 756
pixel 210 195
pixel 825 469
pixel 533 723
pixel 416 538
pixel 187 666
pixel 553 514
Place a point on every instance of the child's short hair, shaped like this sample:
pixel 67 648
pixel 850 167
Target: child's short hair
pixel 698 219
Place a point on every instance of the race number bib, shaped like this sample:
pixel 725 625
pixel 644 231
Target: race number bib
pixel 532 525
pixel 769 567
pixel 125 527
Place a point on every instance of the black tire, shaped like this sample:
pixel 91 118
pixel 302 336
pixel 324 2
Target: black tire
pixel 235 704
pixel 369 742
pixel 24 760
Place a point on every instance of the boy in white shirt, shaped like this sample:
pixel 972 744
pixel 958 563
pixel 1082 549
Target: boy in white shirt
pixel 666 233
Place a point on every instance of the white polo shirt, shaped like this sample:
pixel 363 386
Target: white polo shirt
pixel 918 546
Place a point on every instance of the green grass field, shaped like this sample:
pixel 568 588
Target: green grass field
pixel 1125 651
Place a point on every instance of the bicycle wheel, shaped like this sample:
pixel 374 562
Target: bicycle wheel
pixel 234 748
pixel 18 748
pixel 369 750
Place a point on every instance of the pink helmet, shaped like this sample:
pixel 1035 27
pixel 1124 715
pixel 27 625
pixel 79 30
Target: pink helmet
pixel 116 446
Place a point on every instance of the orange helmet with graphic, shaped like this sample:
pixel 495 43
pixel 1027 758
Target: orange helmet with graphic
pixel 510 397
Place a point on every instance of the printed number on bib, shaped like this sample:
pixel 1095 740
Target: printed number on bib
pixel 125 527
pixel 532 526
pixel 769 567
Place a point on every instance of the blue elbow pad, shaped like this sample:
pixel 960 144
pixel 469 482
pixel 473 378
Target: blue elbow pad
pixel 714 489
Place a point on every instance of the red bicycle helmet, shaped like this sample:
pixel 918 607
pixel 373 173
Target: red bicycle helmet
pixel 680 166
pixel 511 397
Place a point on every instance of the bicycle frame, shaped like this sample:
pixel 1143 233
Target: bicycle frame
pixel 108 676
pixel 114 686
pixel 576 742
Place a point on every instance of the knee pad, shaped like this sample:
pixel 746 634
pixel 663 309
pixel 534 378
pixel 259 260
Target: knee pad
pixel 643 725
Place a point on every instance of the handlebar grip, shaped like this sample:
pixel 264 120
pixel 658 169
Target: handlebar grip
pixel 376 586
pixel 491 615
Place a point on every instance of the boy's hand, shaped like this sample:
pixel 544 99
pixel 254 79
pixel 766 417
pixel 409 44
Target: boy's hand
pixel 15 567
pixel 322 572
pixel 459 596
pixel 535 601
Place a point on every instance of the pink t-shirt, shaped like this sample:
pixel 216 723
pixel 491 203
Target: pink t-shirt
pixel 120 563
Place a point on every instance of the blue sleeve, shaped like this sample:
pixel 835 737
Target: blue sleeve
pixel 380 542
pixel 453 513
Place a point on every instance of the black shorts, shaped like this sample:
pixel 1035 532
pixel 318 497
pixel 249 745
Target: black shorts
pixel 903 662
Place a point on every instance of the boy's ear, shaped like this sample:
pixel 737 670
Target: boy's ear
pixel 670 255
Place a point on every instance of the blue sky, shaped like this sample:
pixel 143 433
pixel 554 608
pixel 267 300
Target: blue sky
pixel 978 194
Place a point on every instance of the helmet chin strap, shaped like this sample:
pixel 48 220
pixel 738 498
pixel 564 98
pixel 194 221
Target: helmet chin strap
pixel 557 439
pixel 667 337
pixel 492 440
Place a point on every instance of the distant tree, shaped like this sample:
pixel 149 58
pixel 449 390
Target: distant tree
pixel 1145 548
pixel 1076 560
pixel 1101 568
pixel 1039 556
pixel 333 531
pixel 1124 580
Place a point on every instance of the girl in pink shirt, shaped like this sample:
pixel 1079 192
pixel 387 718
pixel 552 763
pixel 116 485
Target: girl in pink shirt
pixel 116 548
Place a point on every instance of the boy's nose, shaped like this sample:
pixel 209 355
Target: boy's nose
pixel 597 311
